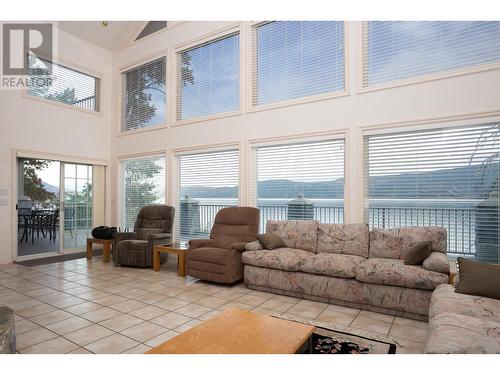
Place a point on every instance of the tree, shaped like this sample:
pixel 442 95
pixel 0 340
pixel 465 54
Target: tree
pixel 33 186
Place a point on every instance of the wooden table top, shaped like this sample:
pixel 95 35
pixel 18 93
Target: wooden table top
pixel 234 331
pixel 176 246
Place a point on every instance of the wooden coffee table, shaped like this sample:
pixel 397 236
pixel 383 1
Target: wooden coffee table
pixel 106 248
pixel 235 331
pixel 175 248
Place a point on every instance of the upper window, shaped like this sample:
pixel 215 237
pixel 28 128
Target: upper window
pixel 67 85
pixel 144 95
pixel 208 78
pixel 142 182
pixel 208 181
pixel 151 28
pixel 303 181
pixel 297 59
pixel 446 177
pixel 399 50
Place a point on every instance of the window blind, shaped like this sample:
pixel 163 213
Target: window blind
pixel 143 183
pixel 68 86
pixel 295 59
pixel 446 177
pixel 303 181
pixel 207 182
pixel 144 98
pixel 394 51
pixel 208 78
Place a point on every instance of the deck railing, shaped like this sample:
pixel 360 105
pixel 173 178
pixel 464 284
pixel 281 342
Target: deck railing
pixel 459 222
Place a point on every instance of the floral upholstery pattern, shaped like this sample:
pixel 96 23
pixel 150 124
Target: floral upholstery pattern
pixel 437 262
pixel 384 297
pixel 281 259
pixel 392 243
pixel 462 334
pixel 253 246
pixel 297 234
pixel 446 300
pixel 395 272
pixel 350 239
pixel 336 265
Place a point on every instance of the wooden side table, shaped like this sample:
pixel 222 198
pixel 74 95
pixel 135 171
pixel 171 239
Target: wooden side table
pixel 175 248
pixel 106 248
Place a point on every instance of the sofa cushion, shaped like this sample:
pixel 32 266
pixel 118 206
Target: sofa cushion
pixel 343 239
pixel 437 262
pixel 462 334
pixel 478 278
pixel 286 259
pixel 446 300
pixel 208 254
pixel 336 265
pixel 392 243
pixel 395 272
pixel 297 234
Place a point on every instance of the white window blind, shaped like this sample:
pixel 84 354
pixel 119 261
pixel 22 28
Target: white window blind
pixel 446 177
pixel 207 182
pixel 295 59
pixel 394 51
pixel 66 85
pixel 208 78
pixel 144 98
pixel 142 183
pixel 303 181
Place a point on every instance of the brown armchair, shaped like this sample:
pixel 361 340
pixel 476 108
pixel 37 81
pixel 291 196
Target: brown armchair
pixel 152 227
pixel 218 258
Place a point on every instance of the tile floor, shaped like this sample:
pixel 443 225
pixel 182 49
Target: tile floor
pixel 82 306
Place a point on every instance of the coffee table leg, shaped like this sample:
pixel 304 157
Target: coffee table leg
pixel 181 264
pixel 105 252
pixel 89 249
pixel 156 260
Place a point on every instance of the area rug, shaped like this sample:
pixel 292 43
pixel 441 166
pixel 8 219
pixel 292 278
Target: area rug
pixel 326 340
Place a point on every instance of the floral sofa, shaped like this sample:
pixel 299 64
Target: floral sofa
pixel 462 323
pixel 349 265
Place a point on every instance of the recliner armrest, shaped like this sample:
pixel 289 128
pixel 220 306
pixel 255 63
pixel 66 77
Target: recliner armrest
pixel 160 236
pixel 196 243
pixel 122 236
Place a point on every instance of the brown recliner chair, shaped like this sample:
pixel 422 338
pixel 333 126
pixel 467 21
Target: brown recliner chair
pixel 218 259
pixel 152 227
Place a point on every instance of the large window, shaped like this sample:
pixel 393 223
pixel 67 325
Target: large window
pixel 144 98
pixel 399 50
pixel 208 78
pixel 142 183
pixel 207 182
pixel 66 85
pixel 297 59
pixel 303 181
pixel 446 177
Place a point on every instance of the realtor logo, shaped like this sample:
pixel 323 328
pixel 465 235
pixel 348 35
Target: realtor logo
pixel 27 55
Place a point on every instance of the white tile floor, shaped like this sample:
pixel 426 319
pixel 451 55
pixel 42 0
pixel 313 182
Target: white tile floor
pixel 82 306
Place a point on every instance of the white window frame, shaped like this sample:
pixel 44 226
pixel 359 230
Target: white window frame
pixel 119 173
pixel 207 38
pixel 252 73
pixel 80 69
pixel 360 89
pixel 135 64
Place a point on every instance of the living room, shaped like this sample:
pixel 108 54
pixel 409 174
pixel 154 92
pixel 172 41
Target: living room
pixel 318 182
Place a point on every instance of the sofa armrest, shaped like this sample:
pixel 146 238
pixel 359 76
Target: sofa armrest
pixel 122 236
pixel 194 244
pixel 254 246
pixel 238 246
pixel 437 262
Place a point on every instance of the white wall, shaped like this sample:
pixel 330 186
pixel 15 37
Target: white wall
pixel 463 99
pixel 43 127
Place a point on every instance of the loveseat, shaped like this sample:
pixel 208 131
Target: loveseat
pixel 349 265
pixel 462 323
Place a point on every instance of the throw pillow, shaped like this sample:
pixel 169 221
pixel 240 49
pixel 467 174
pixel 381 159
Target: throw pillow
pixel 417 253
pixel 253 246
pixel 478 278
pixel 271 241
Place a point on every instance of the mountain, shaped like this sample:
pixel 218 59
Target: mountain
pixel 457 183
pixel 50 188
